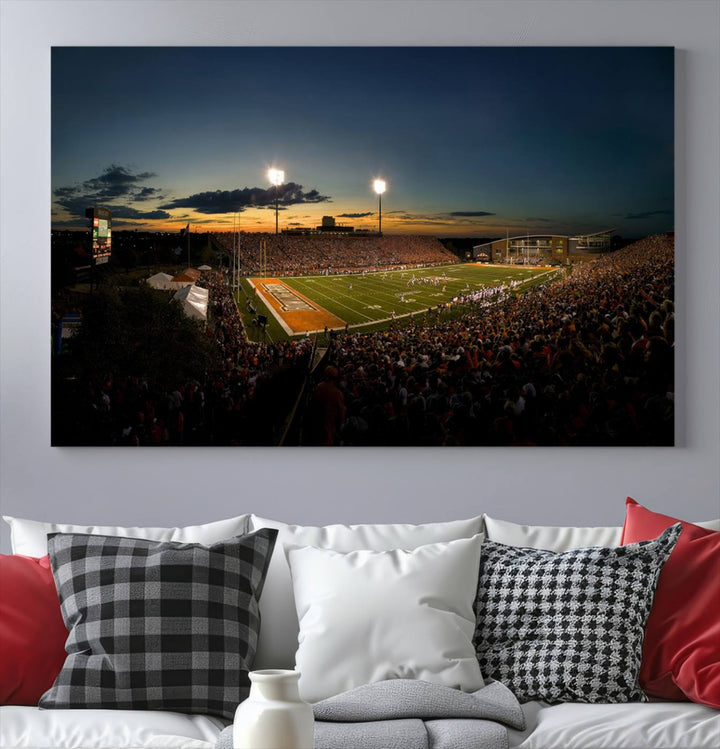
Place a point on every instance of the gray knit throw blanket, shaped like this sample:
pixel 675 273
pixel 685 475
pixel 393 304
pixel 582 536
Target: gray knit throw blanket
pixel 409 714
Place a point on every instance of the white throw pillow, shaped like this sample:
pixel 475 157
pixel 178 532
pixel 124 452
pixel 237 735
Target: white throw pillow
pixel 549 537
pixel 279 628
pixel 367 616
pixel 29 537
pixel 557 537
pixel 711 525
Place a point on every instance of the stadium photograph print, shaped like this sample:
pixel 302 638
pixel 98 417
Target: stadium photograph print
pixel 386 246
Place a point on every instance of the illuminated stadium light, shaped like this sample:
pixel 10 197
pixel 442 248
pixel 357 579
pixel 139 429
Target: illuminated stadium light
pixel 276 177
pixel 379 187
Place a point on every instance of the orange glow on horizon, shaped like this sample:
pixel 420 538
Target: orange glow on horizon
pixel 309 216
pixel 436 226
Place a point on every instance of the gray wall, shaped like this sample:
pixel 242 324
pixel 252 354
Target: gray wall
pixel 555 486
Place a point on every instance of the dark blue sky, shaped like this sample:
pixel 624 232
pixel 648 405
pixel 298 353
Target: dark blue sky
pixel 517 139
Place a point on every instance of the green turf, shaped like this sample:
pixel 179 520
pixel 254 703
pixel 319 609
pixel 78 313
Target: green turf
pixel 273 332
pixel 369 304
pixel 375 296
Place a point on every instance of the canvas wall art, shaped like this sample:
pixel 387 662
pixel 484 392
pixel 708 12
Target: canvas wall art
pixel 362 246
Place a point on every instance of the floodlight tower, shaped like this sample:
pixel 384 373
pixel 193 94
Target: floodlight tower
pixel 379 187
pixel 276 177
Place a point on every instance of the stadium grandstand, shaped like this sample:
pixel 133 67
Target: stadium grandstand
pixel 584 359
pixel 539 249
pixel 292 255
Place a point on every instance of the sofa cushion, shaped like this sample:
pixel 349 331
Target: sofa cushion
pixel 157 625
pixel 655 725
pixel 560 537
pixel 567 626
pixel 29 537
pixel 648 725
pixel 549 537
pixel 367 616
pixel 681 650
pixel 32 632
pixel 278 637
pixel 31 728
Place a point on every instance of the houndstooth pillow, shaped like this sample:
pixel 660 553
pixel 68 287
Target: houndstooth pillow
pixel 567 627
pixel 157 625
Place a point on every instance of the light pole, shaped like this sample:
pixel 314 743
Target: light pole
pixel 276 177
pixel 379 186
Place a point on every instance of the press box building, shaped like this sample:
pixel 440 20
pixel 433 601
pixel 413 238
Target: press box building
pixel 543 248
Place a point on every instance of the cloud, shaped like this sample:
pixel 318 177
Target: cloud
pixel 232 201
pixel 438 219
pixel 456 219
pixel 125 211
pixel 545 220
pixel 471 213
pixel 147 192
pixel 76 207
pixel 648 214
pixel 115 183
pixel 355 215
pixel 82 222
pixel 66 192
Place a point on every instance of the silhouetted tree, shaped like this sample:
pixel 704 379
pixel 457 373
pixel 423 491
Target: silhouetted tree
pixel 140 332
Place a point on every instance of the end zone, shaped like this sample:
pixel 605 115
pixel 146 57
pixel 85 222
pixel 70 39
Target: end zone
pixel 294 312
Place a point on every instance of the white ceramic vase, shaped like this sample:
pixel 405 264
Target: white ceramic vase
pixel 274 716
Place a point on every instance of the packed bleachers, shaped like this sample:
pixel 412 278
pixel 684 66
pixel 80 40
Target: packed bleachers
pixel 587 360
pixel 288 254
pixel 584 360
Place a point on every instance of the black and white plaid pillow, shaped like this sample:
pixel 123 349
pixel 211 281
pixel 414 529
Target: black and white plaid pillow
pixel 567 627
pixel 157 625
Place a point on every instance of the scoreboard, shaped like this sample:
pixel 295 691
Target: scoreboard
pixel 101 228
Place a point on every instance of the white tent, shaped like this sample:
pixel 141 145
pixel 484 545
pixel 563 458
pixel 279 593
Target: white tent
pixel 194 301
pixel 180 284
pixel 160 281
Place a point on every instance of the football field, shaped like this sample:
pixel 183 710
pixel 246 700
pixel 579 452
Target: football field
pixel 294 305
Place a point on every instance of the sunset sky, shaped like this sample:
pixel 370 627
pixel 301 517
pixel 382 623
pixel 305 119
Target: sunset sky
pixel 472 141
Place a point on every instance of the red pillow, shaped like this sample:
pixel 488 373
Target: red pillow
pixel 681 650
pixel 32 632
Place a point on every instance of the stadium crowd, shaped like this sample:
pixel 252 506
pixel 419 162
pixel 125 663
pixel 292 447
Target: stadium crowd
pixel 252 395
pixel 587 360
pixel 291 255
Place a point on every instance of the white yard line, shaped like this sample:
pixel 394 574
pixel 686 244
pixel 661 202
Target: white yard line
pixel 334 299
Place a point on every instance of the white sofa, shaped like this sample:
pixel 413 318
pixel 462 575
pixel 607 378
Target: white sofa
pixel 648 725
